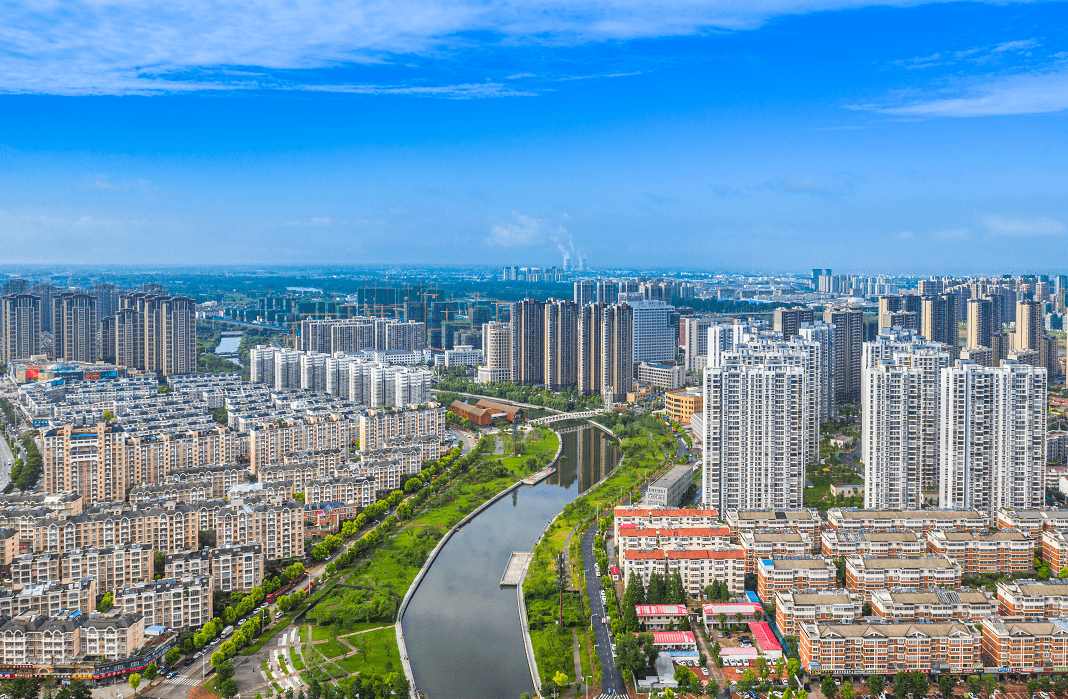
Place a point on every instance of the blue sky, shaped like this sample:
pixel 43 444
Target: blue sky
pixel 781 135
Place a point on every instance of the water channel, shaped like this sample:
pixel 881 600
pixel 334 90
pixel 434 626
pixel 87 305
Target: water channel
pixel 461 628
pixel 228 345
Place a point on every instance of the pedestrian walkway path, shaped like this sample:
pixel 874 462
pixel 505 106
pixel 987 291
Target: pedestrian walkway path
pixel 513 572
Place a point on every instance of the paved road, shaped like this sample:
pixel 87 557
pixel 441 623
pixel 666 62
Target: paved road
pixel 5 462
pixel 612 682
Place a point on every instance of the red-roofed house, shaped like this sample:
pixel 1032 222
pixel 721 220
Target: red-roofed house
pixel 675 640
pixel 663 519
pixel 657 617
pixel 765 640
pixel 746 610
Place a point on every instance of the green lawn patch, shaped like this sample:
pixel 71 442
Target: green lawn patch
pixel 277 688
pixel 303 634
pixel 267 669
pixel 298 662
pixel 334 670
pixel 380 655
pixel 320 633
pixel 331 648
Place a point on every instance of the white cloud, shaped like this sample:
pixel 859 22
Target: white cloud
pixel 121 47
pixel 906 235
pixel 1041 226
pixel 1023 45
pixel 1031 93
pixel 526 230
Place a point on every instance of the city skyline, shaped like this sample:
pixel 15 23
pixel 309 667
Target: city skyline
pixel 910 138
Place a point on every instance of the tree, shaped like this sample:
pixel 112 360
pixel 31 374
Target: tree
pixel 227 688
pixel 722 618
pixel 990 684
pixel 865 609
pixel 793 667
pixel 747 681
pixel 315 690
pixel 77 689
pixel 828 687
pixel 676 592
pixel 224 671
pixel 629 656
pixel 1032 686
pixel 172 656
pixel 630 618
pixel 761 666
pixel 105 604
pixel 688 682
pixel 975 684
pixel 847 690
pixel 875 684
pixel 135 680
pixel 712 689
pixel 946 683
pixel 24 688
pixel 635 592
pixel 150 672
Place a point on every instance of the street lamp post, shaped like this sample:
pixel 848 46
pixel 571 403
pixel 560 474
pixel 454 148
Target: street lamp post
pixel 585 679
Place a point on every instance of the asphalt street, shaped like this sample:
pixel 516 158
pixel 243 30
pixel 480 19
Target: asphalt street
pixel 612 683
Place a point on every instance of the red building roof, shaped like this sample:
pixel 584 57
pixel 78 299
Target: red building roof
pixel 763 636
pixel 661 609
pixel 673 638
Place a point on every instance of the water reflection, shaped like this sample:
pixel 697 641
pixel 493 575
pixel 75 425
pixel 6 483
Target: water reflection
pixel 461 628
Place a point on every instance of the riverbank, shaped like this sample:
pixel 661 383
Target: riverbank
pixel 644 457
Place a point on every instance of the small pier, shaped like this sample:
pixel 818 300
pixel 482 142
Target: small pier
pixel 535 478
pixel 513 572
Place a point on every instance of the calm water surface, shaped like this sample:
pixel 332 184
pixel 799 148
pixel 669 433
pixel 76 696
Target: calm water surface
pixel 461 628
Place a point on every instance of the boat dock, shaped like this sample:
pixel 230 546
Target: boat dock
pixel 535 478
pixel 513 572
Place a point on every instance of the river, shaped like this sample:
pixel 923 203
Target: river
pixel 462 629
pixel 228 345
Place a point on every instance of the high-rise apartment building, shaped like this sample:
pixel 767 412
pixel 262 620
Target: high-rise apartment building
pixel 787 321
pixel 823 336
pixel 900 311
pixel 156 333
pixel 107 299
pixel 496 353
pixel 20 326
pixel 939 323
pixel 528 341
pixel 607 292
pixel 849 337
pixel 585 292
pixel 992 437
pixel 561 344
pixel 900 419
pixel 76 329
pixel 46 292
pixel 757 419
pixel 930 287
pixel 693 340
pixel 605 350
pixel 654 332
pixel 15 286
pixel 981 323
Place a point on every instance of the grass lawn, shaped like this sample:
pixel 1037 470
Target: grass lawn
pixel 277 688
pixel 298 662
pixel 334 670
pixel 304 634
pixel 319 633
pixel 285 666
pixel 584 652
pixel 363 626
pixel 331 649
pixel 267 669
pixel 382 656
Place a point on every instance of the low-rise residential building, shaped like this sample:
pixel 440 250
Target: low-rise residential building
pixel 237 567
pixel 1055 549
pixel 718 614
pixel 841 519
pixel 984 552
pixel 697 568
pixel 172 603
pixel 111 567
pixel 818 606
pixel 865 575
pixel 1021 645
pixel 670 488
pixel 1033 598
pixel 807 521
pixel 682 404
pixel 772 544
pixel 765 640
pixel 684 538
pixel 781 574
pixel 848 542
pixel 466 411
pixel 50 598
pixel 1034 522
pixel 658 617
pixel 675 641
pixel 905 606
pixel 115 638
pixel 645 518
pixel 886 649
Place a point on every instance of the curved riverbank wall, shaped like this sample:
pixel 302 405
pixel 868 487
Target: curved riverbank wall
pixel 430 561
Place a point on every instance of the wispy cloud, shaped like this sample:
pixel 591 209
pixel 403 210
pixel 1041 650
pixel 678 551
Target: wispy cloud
pixel 314 222
pixel 1019 227
pixel 77 47
pixel 526 230
pixel 1040 92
